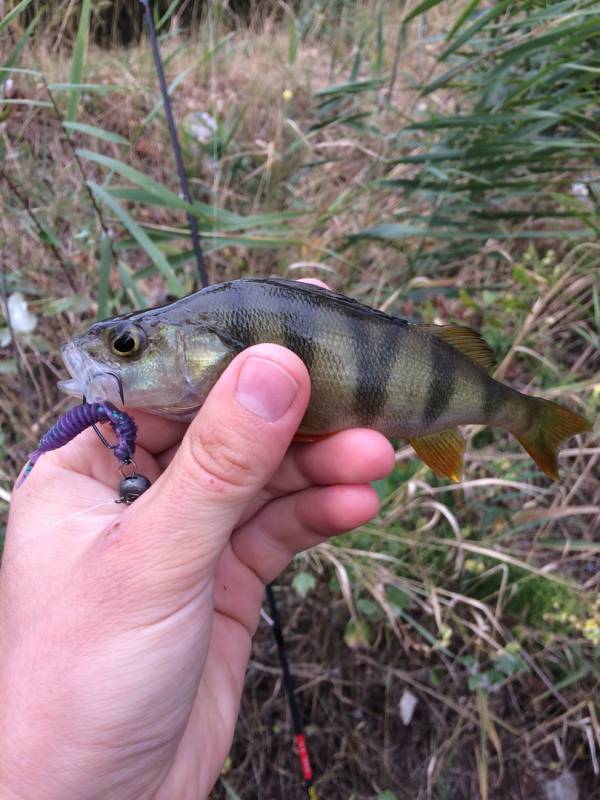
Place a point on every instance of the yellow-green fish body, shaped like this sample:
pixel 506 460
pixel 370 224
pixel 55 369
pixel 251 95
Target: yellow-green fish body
pixel 367 368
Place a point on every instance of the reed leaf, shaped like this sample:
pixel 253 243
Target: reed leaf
pixel 97 133
pixel 78 64
pixel 525 129
pixel 104 277
pixel 13 14
pixel 142 238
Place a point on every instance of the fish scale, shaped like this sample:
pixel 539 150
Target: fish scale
pixel 367 368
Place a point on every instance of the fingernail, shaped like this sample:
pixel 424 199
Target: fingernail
pixel 265 388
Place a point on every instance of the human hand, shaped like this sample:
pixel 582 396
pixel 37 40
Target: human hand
pixel 125 631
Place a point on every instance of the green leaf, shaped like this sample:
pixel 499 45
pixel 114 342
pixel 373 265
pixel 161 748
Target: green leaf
pixel 142 238
pixel 23 101
pixel 400 598
pixel 97 133
pixel 104 276
pixel 303 583
pixel 79 54
pixel 357 634
pixel 100 88
pixel 16 51
pixel 128 281
pixel 231 793
pixel 212 217
pixel 478 120
pixel 292 39
pixel 76 303
pixel 422 8
pixel 8 366
pixel 8 18
pixel 392 230
pixel 574 34
pixel 167 15
pixel 170 89
pixel 22 71
pixel 352 87
pixel 509 663
pixel 369 608
pixel 165 196
pixel 492 13
pixel 463 17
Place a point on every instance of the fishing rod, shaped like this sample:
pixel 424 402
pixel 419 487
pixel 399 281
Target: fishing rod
pixel 290 691
pixel 183 181
pixel 275 620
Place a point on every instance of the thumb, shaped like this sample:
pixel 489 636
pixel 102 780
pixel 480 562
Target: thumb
pixel 234 445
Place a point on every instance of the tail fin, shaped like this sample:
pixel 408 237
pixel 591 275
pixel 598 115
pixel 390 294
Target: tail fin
pixel 552 424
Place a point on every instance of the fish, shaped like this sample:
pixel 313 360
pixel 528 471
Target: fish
pixel 416 382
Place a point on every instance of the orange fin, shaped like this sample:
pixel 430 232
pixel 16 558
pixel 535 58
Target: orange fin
pixel 442 452
pixel 553 424
pixel 467 341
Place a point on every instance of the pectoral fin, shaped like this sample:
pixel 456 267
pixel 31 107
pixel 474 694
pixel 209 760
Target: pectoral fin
pixel 442 452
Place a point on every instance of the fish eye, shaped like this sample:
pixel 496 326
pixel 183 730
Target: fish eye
pixel 127 342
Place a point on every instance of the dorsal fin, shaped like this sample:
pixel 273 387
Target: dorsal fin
pixel 467 341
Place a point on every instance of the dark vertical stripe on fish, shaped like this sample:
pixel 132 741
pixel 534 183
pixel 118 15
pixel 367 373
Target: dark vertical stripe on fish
pixel 389 347
pixel 443 383
pixel 491 399
pixel 244 314
pixel 300 329
pixel 230 311
pixel 375 357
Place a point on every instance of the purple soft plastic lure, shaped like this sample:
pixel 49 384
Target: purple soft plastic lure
pixel 76 420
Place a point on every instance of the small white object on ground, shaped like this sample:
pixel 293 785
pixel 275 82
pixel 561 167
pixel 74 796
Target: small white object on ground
pixel 562 788
pixel 407 704
pixel 20 317
pixel 201 126
pixel 579 189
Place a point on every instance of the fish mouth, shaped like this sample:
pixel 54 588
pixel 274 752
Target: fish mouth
pixel 90 379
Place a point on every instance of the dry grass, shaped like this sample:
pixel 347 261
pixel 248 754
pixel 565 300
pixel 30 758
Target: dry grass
pixel 482 598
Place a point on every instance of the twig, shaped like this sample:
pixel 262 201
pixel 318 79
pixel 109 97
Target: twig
pixel 90 194
pixel 40 228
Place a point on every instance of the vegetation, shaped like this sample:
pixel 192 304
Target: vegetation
pixel 437 160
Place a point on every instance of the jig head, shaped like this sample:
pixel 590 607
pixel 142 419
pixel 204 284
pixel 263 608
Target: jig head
pixel 131 486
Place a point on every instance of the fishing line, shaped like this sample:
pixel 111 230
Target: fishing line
pixel 288 680
pixel 71 517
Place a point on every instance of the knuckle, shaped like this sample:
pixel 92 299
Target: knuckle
pixel 223 458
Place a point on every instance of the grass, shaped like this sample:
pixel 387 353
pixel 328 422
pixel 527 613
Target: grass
pixel 351 148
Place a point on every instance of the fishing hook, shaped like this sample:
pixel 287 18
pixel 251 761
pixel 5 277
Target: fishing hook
pixel 97 430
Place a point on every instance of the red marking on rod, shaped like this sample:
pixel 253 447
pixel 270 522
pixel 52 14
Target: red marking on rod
pixel 307 772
